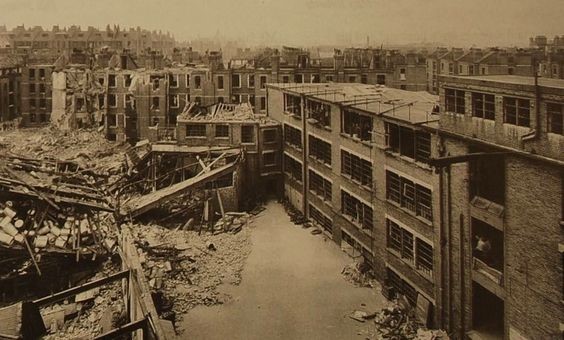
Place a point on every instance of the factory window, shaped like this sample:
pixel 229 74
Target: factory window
pixel 319 218
pixel 483 105
pixel 402 74
pixel 174 101
pixel 195 130
pixel 220 82
pixel 224 181
pixel 454 101
pixel 173 80
pixel 42 117
pixel 400 241
pixel 220 100
pixel 101 81
pixel 101 101
pixel 269 158
pixel 408 142
pixel 31 88
pixel 423 256
pixel 352 79
pixel 42 103
pixel 222 131
pixel 356 125
pixel 111 120
pixel 319 149
pixel 364 79
pixel 292 104
pixel 269 136
pixel 320 186
pixel 402 287
pixel 328 78
pixel 127 80
pixel 293 168
pixel 236 98
pixel 262 82
pixel 31 73
pixel 236 80
pixel 247 134
pixel 285 79
pixel 516 111
pixel 355 210
pixel 41 73
pixel 320 112
pixel 555 118
pixel 112 80
pixel 487 177
pixel 381 79
pixel 298 78
pixel 409 195
pixel 155 81
pixel 112 100
pixel 32 117
pixel 356 169
pixel 197 82
pixel 32 103
pixel 155 102
pixel 251 80
pixel 187 80
pixel 262 103
pixel 315 78
pixel 292 136
pixel 42 88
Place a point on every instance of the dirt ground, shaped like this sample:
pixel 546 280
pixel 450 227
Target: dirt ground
pixel 291 288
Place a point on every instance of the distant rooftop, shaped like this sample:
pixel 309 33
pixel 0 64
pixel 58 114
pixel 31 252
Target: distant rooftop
pixel 515 80
pixel 221 112
pixel 414 107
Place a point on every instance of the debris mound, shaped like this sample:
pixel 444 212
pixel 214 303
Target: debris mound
pixel 355 274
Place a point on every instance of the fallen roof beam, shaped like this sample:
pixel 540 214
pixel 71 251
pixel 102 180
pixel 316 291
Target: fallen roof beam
pixel 125 329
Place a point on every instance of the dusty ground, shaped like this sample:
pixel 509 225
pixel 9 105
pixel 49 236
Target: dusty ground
pixel 291 288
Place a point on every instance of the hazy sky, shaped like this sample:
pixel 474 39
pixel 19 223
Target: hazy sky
pixel 308 22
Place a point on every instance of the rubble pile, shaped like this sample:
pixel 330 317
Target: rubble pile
pixel 397 321
pixel 295 215
pixel 355 274
pixel 187 267
pixel 87 314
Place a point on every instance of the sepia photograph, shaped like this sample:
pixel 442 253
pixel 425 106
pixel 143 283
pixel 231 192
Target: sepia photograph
pixel 282 170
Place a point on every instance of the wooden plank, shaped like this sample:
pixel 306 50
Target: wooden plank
pixel 125 329
pixel 82 288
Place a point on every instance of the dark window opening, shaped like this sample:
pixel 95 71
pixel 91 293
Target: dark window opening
pixel 320 186
pixel 173 80
pixel 409 195
pixel 320 112
pixel 269 136
pixel 262 82
pixel 483 105
pixel 174 101
pixel 555 118
pixel 285 79
pixel 292 104
pixel 357 211
pixel 487 178
pixel 292 136
pixel 196 130
pixel 31 73
pixel 220 82
pixel 293 168
pixel 112 120
pixel 487 249
pixel 247 134
pixel 269 158
pixel 318 217
pixel 41 73
pixel 222 131
pixel 454 101
pixel 31 88
pixel 516 111
pixel 315 78
pixel 251 80
pixel 487 313
pixel 236 80
pixel 42 103
pixel 408 142
pixel 381 79
pixel 112 80
pixel 127 80
pixel 356 168
pixel 155 102
pixel 364 79
pixel 42 88
pixel 262 103
pixel 402 287
pixel 112 100
pixel 356 125
pixel 198 82
pixel 319 149
pixel 298 78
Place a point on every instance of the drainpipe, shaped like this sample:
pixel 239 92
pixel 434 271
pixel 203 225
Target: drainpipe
pixel 442 262
pixel 461 276
pixel 305 178
pixel 449 248
pixel 534 133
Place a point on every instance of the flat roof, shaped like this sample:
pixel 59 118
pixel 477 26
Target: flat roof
pixel 411 106
pixel 515 80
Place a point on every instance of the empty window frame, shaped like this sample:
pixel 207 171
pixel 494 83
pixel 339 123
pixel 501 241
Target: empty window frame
pixel 364 79
pixel 31 73
pixel 555 118
pixel 298 78
pixel 187 80
pixel 356 125
pixel 195 130
pixel 409 195
pixel 319 218
pixel 112 80
pixel 269 158
pixel 236 80
pixel 408 142
pixel 293 168
pixel 174 101
pixel 400 241
pixel 32 88
pixel 454 101
pixel 197 82
pixel 263 80
pixel 222 131
pixel 262 103
pixel 251 80
pixel 402 287
pixel 381 79
pixel 112 100
pixel 127 80
pixel 320 112
pixel 483 105
pixel 42 88
pixel 292 136
pixel 173 80
pixel 269 136
pixel 356 168
pixel 320 186
pixel 285 79
pixel 292 104
pixel 357 211
pixel 220 85
pixel 319 149
pixel 155 103
pixel 516 111
pixel 423 256
pixel 247 134
pixel 42 73
pixel 42 103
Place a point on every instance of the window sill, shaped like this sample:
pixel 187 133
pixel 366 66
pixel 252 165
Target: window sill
pixel 352 181
pixel 291 146
pixel 356 139
pixel 411 265
pixel 323 199
pixel 421 219
pixel 319 161
pixel 409 160
pixel 353 222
